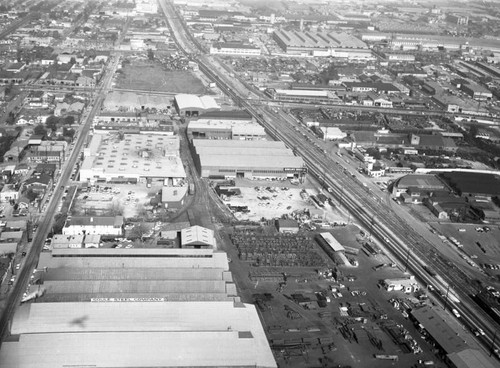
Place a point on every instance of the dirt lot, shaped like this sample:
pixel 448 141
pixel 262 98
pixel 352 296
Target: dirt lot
pixel 150 76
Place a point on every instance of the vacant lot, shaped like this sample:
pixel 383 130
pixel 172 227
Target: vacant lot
pixel 151 76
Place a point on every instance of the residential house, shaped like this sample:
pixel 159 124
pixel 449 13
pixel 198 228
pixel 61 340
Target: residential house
pixel 38 183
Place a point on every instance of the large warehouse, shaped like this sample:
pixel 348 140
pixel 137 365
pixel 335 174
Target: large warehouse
pixel 192 105
pixel 336 44
pixel 132 158
pixel 150 333
pixel 225 129
pixel 246 159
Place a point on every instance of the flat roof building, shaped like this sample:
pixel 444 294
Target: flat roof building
pixel 225 129
pixel 246 159
pixel 135 158
pixel 145 334
pixel 101 225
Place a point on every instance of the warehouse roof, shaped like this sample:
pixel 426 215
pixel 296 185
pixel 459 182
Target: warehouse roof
pixel 440 331
pixel 470 358
pixel 153 287
pixel 154 334
pixel 54 274
pixel 271 152
pixel 234 143
pixel 132 316
pixel 186 101
pixel 144 155
pixel 424 181
pixel 332 242
pixel 197 235
pixel 115 221
pixel 134 258
pixel 134 349
pixel 249 161
pixel 472 182
pixel 226 114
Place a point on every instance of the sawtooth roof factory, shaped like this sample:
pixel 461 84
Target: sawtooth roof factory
pixel 336 44
pixel 132 158
pixel 246 159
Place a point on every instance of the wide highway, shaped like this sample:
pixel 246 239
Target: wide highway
pixel 453 286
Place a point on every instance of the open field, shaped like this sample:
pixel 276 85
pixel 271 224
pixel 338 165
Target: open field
pixel 150 76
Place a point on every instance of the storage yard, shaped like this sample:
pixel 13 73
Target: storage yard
pixel 315 309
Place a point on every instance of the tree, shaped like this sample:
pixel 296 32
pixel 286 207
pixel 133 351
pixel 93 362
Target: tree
pixel 51 122
pixel 11 119
pixel 69 120
pixel 151 54
pixel 139 230
pixel 68 132
pixel 31 195
pixel 39 130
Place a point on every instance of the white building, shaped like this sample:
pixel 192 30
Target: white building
pixel 197 237
pixel 232 48
pixel 66 241
pixel 135 158
pixel 332 133
pixel 94 225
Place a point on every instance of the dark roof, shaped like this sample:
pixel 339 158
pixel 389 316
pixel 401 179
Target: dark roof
pixel 234 45
pixel 287 223
pixel 39 179
pixel 434 140
pixel 473 182
pixel 440 331
pixel 229 115
pixel 379 86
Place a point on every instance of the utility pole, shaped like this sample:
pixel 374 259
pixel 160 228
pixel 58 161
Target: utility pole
pixel 446 297
pixel 407 259
pixel 492 349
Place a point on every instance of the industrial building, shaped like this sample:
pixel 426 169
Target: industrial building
pixel 419 183
pixel 148 333
pixel 246 159
pixel 303 96
pixel 472 184
pixel 192 105
pixel 336 44
pixel 100 225
pixel 132 158
pixel 79 274
pixel 234 48
pixel 197 237
pixel 455 351
pixel 225 129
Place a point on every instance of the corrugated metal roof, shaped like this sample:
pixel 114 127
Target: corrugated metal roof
pixel 133 334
